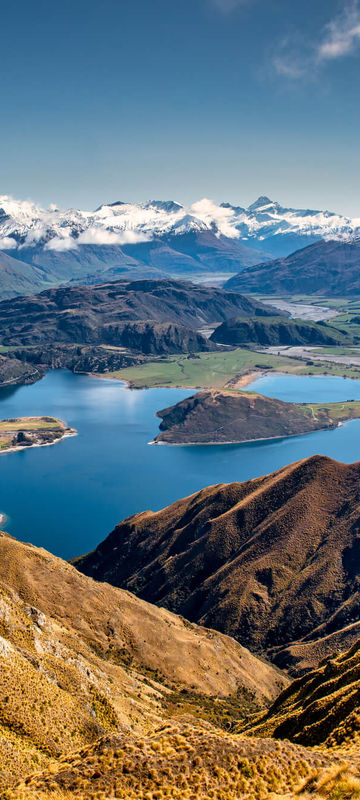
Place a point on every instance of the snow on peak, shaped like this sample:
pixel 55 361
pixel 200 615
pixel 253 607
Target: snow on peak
pixel 24 224
pixel 261 202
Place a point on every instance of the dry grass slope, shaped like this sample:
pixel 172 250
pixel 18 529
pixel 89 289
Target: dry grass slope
pixel 321 708
pixel 180 762
pixel 80 659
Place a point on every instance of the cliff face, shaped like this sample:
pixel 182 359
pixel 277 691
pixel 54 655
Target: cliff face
pixel 272 562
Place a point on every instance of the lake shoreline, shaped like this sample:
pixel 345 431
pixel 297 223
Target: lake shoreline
pixel 247 441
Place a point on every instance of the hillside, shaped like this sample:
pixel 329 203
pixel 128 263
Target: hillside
pixel 320 708
pixel 276 331
pixel 328 268
pixel 98 315
pixel 224 417
pixel 272 561
pixel 13 371
pixel 17 278
pixel 80 660
pixel 186 762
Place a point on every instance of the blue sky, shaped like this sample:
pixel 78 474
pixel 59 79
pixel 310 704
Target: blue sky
pixel 139 99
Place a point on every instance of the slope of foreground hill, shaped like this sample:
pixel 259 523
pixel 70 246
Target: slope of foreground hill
pixel 98 315
pixel 273 562
pixel 81 659
pixel 186 762
pixel 326 268
pixel 323 707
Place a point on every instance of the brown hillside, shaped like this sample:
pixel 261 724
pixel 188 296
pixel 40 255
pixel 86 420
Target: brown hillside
pixel 323 707
pixel 273 562
pixel 80 659
pixel 217 417
pixel 182 762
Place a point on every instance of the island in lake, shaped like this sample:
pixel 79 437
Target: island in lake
pixel 233 417
pixel 22 432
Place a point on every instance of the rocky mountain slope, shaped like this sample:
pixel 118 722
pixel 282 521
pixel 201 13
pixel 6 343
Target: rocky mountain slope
pixel 99 315
pixel 272 561
pixel 81 660
pixel 328 268
pixel 277 331
pixel 223 417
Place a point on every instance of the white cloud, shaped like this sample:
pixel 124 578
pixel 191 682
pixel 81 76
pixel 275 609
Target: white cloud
pixel 96 236
pixel 61 243
pixel 7 243
pixel 103 236
pixel 297 58
pixel 207 211
pixel 342 35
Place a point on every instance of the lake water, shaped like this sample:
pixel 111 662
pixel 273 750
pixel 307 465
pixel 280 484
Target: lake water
pixel 307 388
pixel 68 497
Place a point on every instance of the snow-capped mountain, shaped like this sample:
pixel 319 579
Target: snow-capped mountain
pixel 264 225
pixel 151 239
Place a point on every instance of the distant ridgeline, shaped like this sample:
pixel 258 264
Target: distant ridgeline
pixel 328 269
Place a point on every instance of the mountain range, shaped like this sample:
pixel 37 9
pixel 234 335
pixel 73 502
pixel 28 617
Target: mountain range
pixel 151 239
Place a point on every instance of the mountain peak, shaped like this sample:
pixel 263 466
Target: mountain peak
pixel 261 202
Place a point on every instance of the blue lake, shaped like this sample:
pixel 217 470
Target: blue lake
pixel 68 497
pixel 308 389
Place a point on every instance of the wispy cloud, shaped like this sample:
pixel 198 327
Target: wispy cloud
pixel 297 58
pixel 342 35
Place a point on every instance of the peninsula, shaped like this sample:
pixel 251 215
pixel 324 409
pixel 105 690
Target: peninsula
pixel 22 432
pixel 233 417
